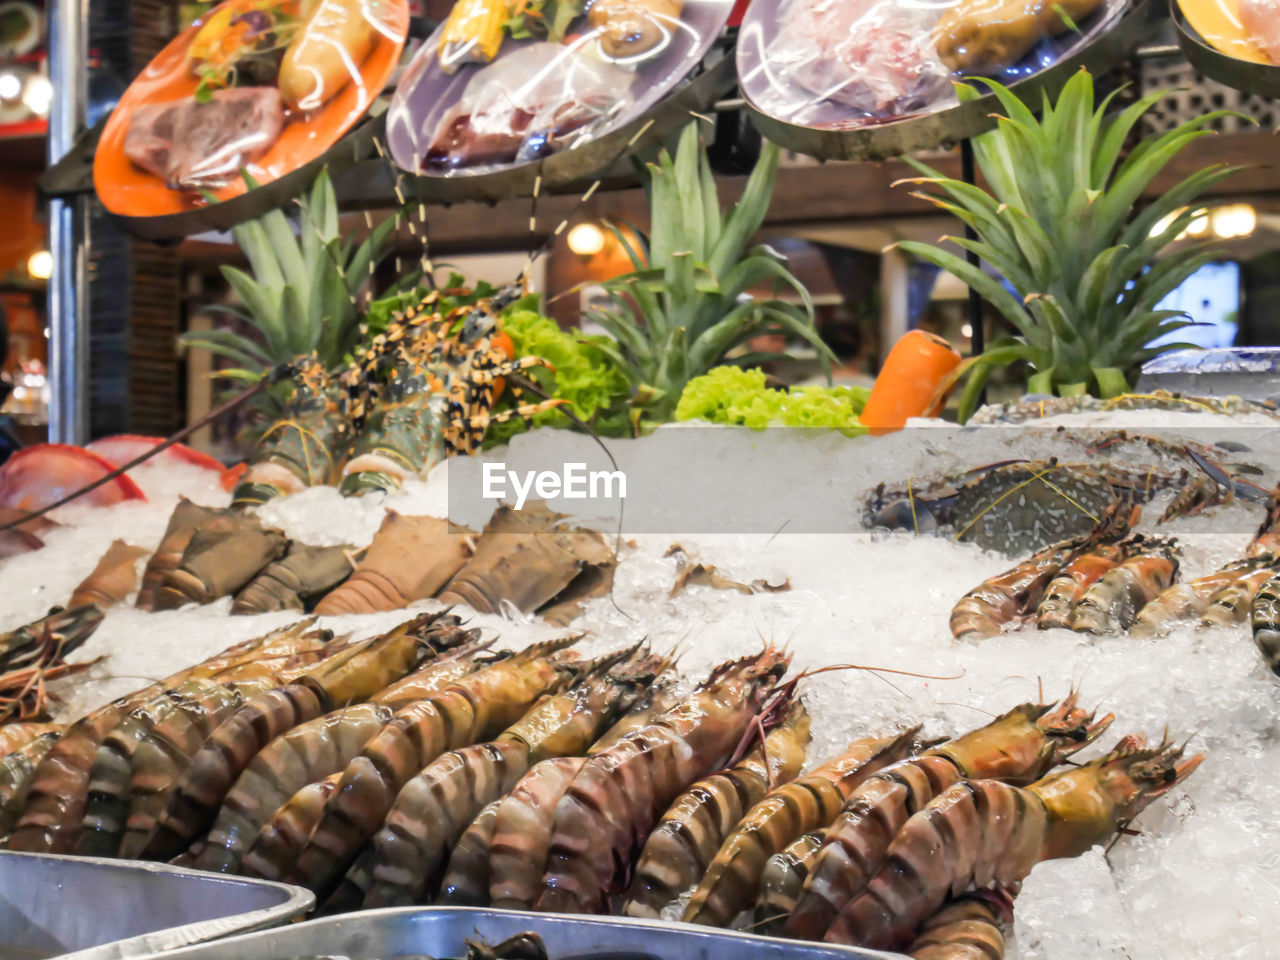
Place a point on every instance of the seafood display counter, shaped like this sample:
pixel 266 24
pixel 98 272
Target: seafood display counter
pixel 93 909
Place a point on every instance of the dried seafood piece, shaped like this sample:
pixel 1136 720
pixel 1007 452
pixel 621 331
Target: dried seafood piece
pixel 691 573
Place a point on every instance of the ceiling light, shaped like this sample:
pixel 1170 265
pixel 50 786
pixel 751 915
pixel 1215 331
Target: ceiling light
pixel 586 239
pixel 40 265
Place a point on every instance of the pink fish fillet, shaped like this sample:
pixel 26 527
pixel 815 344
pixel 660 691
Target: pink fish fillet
pixel 1261 21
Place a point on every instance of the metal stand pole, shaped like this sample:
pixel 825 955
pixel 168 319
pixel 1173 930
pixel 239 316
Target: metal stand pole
pixel 68 228
pixel 978 337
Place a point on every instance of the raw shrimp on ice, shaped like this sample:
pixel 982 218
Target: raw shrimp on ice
pixel 1265 621
pixel 1112 604
pixel 614 800
pixel 141 758
pixel 466 879
pixel 474 709
pixel 309 752
pixel 1233 603
pixel 51 818
pixel 1183 601
pixel 16 735
pixel 351 675
pixel 980 833
pixel 17 768
pixel 1066 589
pixel 966 928
pixel 107 805
pixel 315 750
pixel 691 832
pixel 985 610
pixel 524 818
pixel 1020 747
pixel 409 853
pixel 782 881
pixel 730 883
pixel 287 831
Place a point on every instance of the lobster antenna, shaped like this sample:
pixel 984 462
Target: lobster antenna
pixel 523 278
pixel 277 374
pixel 397 185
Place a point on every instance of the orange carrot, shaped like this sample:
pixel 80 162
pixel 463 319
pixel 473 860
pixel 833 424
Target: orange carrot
pixel 908 382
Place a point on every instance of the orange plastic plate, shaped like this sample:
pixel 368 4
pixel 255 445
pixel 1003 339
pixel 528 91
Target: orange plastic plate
pixel 128 190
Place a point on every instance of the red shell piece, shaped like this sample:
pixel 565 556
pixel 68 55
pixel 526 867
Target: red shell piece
pixel 125 447
pixel 231 476
pixel 38 476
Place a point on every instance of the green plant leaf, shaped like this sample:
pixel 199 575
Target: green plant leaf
pixel 748 213
pixel 638 259
pixel 987 286
pixel 263 307
pixel 225 343
pixel 689 192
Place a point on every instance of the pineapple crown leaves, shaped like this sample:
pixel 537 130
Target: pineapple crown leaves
pixel 299 295
pixel 685 305
pixel 1057 224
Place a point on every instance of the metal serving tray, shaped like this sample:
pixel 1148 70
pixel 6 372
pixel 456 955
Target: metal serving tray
pixel 94 909
pixel 441 932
